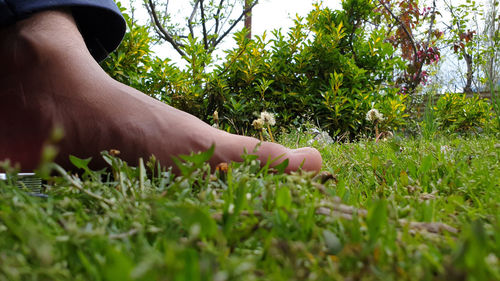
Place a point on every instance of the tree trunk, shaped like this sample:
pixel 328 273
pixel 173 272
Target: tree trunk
pixel 470 72
pixel 491 31
pixel 248 18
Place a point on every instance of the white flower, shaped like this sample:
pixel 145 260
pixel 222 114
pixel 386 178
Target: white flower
pixel 314 131
pixel 195 230
pixel 323 138
pixel 249 196
pixel 268 118
pixel 374 115
pixel 492 260
pixel 445 149
pixel 230 209
pixel 258 124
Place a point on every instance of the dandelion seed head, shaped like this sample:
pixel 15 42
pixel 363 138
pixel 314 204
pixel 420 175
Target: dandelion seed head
pixel 258 124
pixel 374 115
pixel 268 118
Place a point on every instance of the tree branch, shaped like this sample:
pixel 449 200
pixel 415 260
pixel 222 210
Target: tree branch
pixel 162 32
pixel 166 10
pixel 429 38
pixel 190 21
pixel 217 16
pixel 204 26
pixel 405 29
pixel 431 27
pixel 234 24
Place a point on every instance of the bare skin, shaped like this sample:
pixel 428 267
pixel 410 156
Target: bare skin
pixel 48 79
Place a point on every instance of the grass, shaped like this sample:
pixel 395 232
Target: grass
pixel 397 210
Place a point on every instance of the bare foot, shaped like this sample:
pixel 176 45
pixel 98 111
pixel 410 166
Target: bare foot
pixel 49 79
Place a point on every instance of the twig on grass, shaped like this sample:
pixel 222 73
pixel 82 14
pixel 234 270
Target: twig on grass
pixel 347 212
pixel 344 209
pixel 432 227
pixel 245 213
pixel 328 212
pixel 77 184
pixel 132 232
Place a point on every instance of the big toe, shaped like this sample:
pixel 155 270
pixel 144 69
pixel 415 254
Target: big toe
pixel 306 158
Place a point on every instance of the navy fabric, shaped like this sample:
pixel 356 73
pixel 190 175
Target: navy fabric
pixel 6 15
pixel 100 21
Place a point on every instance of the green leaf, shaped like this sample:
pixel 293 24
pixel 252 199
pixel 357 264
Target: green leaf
pixel 118 265
pixel 376 219
pixel 191 215
pixel 403 178
pixel 80 163
pixel 283 198
pixel 281 167
pixel 333 244
pixel 187 164
pixel 199 158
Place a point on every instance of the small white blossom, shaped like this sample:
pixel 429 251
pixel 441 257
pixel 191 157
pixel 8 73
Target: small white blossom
pixel 323 138
pixel 268 118
pixel 374 115
pixel 314 131
pixel 258 124
pixel 492 260
pixel 445 149
pixel 230 209
pixel 195 230
pixel 249 196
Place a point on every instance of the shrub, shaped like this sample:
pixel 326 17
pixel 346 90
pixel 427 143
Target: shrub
pixel 457 113
pixel 328 69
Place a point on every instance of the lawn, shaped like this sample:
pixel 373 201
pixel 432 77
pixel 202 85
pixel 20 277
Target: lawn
pixel 401 209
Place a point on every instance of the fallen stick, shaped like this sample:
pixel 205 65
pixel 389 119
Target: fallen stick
pixel 347 212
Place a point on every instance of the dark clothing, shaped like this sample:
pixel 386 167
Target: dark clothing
pixel 100 21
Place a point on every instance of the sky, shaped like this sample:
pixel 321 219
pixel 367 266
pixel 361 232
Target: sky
pixel 274 14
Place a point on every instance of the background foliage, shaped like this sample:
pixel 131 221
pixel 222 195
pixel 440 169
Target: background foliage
pixel 329 70
pixel 458 113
